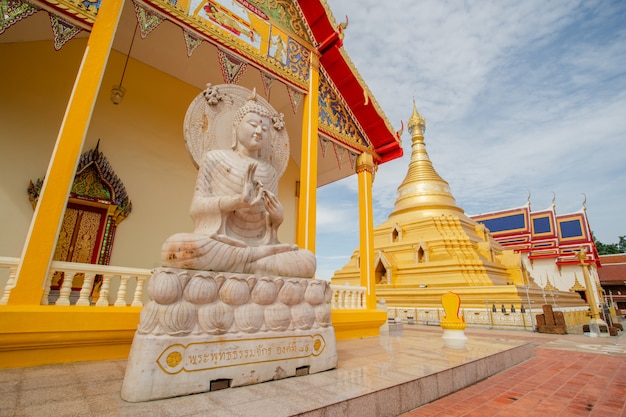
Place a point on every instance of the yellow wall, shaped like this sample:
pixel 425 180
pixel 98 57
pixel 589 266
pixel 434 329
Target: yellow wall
pixel 142 139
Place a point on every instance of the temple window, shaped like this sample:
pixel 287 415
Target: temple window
pixel 380 273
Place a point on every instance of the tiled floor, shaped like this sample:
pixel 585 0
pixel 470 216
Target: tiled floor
pixel 571 375
pixel 553 383
pixel 378 376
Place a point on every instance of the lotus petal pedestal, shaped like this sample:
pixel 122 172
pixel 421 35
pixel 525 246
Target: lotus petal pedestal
pixel 204 331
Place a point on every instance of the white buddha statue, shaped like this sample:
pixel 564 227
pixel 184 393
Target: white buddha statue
pixel 235 209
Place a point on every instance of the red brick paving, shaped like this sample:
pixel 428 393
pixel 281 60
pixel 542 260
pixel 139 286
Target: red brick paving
pixel 555 383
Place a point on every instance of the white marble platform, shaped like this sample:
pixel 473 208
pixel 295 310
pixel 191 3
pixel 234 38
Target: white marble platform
pixel 378 376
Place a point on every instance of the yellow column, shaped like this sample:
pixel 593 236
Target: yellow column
pixel 591 296
pixel 305 236
pixel 44 228
pixel 365 169
pixel 366 322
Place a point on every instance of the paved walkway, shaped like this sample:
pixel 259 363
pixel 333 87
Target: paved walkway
pixel 571 375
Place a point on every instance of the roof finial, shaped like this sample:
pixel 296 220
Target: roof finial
pixel 342 27
pixel 585 202
pixel 553 199
pixel 416 121
pixel 401 131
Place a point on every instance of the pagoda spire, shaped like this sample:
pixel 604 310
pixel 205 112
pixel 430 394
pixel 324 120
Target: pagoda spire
pixel 422 187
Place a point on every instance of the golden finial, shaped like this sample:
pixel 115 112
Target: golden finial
pixel 401 131
pixel 416 121
pixel 342 27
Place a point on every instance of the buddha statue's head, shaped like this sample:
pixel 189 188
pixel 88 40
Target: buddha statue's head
pixel 250 106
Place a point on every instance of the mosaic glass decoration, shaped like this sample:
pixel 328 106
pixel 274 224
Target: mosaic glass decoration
pixel 298 59
pixel 295 97
pixel 285 13
pixel 148 20
pixel 340 154
pixel 333 116
pixel 63 31
pixel 267 83
pixel 232 68
pixel 12 11
pixel 191 41
pixel 324 145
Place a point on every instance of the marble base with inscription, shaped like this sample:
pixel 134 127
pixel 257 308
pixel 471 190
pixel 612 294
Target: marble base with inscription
pixel 204 331
pixel 164 367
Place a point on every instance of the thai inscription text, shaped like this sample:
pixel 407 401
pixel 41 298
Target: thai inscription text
pixel 209 355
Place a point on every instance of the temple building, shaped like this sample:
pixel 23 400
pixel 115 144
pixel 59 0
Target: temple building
pixel 93 108
pixel 548 243
pixel 429 246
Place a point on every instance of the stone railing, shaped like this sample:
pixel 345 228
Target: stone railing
pixel 348 297
pixel 119 286
pixel 488 317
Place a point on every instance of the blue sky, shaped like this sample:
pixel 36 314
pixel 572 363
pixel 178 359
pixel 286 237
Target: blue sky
pixel 519 97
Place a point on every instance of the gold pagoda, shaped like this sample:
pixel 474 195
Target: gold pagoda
pixel 429 246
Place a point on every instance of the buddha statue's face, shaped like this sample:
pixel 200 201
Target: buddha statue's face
pixel 253 132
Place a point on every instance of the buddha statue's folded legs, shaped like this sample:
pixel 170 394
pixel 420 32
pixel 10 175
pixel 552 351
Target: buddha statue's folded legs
pixel 209 253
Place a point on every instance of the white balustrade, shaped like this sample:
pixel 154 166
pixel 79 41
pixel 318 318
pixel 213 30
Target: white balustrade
pixel 121 293
pixel 138 292
pixel 11 265
pixel 110 275
pixel 85 290
pixel 348 297
pixel 66 290
pixel 345 297
pixel 103 299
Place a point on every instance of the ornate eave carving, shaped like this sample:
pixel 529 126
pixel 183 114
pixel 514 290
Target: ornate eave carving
pixel 286 14
pixel 293 68
pixel 81 12
pixel 369 99
pixel 336 120
pixel 279 20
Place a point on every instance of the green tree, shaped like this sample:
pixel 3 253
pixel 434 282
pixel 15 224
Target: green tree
pixel 610 248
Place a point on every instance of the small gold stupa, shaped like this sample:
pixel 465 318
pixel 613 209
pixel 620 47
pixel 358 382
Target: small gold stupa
pixel 429 246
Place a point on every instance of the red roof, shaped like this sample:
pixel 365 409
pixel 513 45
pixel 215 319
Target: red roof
pixel 340 71
pixel 613 259
pixel 612 273
pixel 613 269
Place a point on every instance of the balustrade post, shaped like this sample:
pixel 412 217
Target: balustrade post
pixel 10 284
pixel 121 292
pixel 85 291
pixel 46 288
pixel 66 290
pixel 103 300
pixel 138 292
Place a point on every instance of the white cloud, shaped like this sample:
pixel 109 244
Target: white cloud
pixel 518 97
